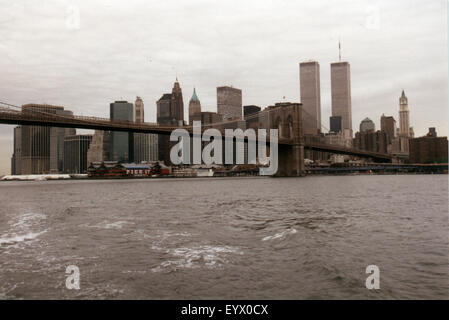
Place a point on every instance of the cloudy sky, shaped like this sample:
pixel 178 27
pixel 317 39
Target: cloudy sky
pixel 85 54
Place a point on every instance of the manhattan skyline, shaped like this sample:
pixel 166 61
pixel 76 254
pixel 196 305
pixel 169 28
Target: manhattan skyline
pixel 257 48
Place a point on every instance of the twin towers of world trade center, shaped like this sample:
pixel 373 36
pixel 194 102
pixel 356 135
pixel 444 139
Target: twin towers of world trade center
pixel 341 119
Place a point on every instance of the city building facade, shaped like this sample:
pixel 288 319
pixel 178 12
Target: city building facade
pixel 404 132
pixel 41 147
pixel 170 111
pixel 310 93
pixel 388 125
pixel 341 95
pixel 16 158
pixel 375 141
pixel 335 124
pixel 122 143
pixel 229 103
pixel 75 153
pixel 367 125
pixel 99 147
pixel 429 149
pixel 194 106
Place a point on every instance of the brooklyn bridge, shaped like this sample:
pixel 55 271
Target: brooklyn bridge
pixel 286 117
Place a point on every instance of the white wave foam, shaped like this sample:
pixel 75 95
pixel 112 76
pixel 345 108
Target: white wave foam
pixel 195 257
pixel 280 235
pixel 27 220
pixel 8 239
pixel 108 225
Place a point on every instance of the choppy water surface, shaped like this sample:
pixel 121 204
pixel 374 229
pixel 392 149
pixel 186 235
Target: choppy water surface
pixel 256 238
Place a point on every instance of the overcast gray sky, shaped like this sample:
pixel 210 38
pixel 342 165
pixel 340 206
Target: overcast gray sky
pixel 85 54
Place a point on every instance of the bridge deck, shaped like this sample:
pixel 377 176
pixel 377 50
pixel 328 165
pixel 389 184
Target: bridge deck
pixel 36 118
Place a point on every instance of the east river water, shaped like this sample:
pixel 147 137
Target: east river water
pixel 226 238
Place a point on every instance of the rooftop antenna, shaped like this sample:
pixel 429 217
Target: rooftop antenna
pixel 339 49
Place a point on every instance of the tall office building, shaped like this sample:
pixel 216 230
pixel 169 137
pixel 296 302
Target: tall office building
pixel 177 104
pixel 341 95
pixel 153 147
pixel 141 140
pixel 170 111
pixel 194 106
pixel 405 132
pixel 75 153
pixel 42 147
pixel 367 125
pixel 309 83
pixel 335 124
pixel 57 136
pixel 404 117
pixel 99 147
pixel 388 125
pixel 16 159
pixel 121 143
pixel 170 107
pixel 139 112
pixel 229 103
pixel 141 147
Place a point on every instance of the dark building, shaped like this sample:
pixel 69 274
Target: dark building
pixel 250 114
pixel 388 125
pixel 428 149
pixel 250 110
pixel 170 111
pixel 335 124
pixel 371 141
pixel 432 133
pixel 121 143
pixel 16 159
pixel 207 117
pixel 75 153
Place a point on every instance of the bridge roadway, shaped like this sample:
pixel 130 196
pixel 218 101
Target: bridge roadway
pixel 16 117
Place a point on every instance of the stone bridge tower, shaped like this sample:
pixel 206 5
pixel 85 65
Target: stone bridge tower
pixel 287 118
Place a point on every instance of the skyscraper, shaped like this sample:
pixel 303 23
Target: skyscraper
pixel 309 83
pixel 16 159
pixel 404 120
pixel 335 124
pixel 170 111
pixel 341 95
pixel 388 125
pixel 141 140
pixel 42 147
pixel 405 132
pixel 229 103
pixel 139 112
pixel 367 125
pixel 75 153
pixel 177 104
pixel 170 107
pixel 57 136
pixel 122 143
pixel 194 106
pixel 99 147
